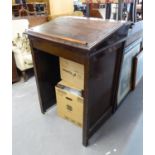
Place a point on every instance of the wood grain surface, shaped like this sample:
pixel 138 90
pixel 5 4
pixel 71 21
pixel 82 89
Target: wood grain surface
pixel 78 31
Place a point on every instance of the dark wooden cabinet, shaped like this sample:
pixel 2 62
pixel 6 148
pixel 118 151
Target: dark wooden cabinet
pixel 98 45
pixel 15 76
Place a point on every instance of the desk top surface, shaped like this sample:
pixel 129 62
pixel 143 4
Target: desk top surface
pixel 76 31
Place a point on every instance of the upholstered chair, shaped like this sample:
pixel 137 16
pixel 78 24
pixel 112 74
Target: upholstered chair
pixel 21 46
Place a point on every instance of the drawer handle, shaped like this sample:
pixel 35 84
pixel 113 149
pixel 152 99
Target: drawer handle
pixel 68 98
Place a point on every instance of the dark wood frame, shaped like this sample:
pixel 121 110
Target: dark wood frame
pixel 15 76
pixel 136 79
pixel 126 74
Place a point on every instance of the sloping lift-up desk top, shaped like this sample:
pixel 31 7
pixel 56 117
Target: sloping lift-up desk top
pixel 98 45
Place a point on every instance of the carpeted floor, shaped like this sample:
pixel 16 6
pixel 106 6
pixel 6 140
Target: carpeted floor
pixel 37 134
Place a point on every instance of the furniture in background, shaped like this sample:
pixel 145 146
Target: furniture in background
pixel 36 8
pixel 31 9
pixel 15 76
pixel 133 46
pixel 139 9
pixel 126 75
pixel 116 9
pixel 98 13
pixel 78 6
pixel 138 69
pixel 99 46
pixel 15 9
pixel 103 9
pixel 21 47
pixel 23 12
pixel 41 8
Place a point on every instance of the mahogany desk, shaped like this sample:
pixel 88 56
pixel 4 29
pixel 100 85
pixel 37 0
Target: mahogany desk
pixel 95 43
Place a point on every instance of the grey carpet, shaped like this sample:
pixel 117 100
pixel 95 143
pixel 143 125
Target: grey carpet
pixel 37 134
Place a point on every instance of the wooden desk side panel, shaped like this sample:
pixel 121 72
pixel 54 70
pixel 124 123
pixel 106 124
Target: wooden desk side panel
pixel 100 76
pixel 47 75
pixel 100 89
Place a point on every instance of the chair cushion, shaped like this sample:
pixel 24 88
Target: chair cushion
pixel 28 59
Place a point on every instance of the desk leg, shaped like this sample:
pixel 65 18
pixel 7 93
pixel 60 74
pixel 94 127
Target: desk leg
pixel 47 75
pixel 86 104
